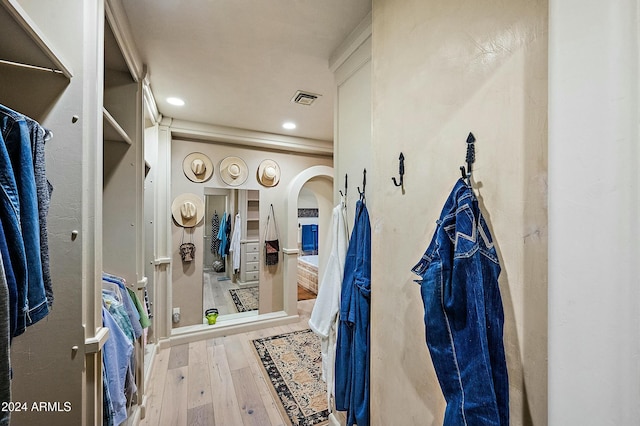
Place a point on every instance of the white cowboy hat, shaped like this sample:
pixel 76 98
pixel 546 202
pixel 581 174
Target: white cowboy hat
pixel 197 167
pixel 187 210
pixel 233 171
pixel 269 173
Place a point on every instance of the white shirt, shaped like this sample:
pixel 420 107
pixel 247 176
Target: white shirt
pixel 235 242
pixel 324 317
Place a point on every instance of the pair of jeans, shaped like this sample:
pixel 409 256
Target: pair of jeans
pixel 18 169
pixel 353 343
pixel 464 316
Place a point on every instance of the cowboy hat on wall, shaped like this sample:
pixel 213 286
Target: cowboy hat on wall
pixel 197 167
pixel 233 171
pixel 187 210
pixel 268 173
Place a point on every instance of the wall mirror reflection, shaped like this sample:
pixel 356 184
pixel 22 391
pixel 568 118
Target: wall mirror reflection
pixel 231 288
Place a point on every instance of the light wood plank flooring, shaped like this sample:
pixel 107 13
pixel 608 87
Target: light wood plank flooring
pixel 215 294
pixel 215 382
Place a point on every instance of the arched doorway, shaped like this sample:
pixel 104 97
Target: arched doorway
pixel 319 181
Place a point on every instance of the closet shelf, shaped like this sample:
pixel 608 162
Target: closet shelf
pixel 142 283
pixel 94 344
pixel 112 130
pixel 28 46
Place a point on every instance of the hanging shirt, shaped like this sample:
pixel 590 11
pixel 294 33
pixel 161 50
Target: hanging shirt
pixel 116 354
pixel 324 317
pixel 222 235
pixel 227 230
pixel 352 347
pixel 17 149
pixel 215 228
pixel 235 242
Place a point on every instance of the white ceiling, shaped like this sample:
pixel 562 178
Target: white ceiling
pixel 238 63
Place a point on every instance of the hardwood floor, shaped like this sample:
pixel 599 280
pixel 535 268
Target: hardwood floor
pixel 215 382
pixel 216 293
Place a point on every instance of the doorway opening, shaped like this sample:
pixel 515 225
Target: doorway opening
pixel 308 244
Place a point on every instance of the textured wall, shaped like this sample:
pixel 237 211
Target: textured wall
pixel 441 70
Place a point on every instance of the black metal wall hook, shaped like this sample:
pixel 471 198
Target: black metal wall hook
pixel 345 186
pixel 400 171
pixel 470 159
pixel 364 184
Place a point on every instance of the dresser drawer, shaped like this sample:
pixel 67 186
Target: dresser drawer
pixel 252 276
pixel 251 247
pixel 253 257
pixel 252 266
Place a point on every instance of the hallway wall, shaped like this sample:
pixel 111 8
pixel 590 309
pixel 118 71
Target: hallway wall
pixel 441 70
pixel 594 206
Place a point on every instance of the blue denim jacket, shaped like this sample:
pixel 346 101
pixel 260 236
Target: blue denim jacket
pixel 17 144
pixel 464 315
pixel 352 346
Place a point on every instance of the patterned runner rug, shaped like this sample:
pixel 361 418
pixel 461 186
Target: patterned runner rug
pixel 293 364
pixel 245 299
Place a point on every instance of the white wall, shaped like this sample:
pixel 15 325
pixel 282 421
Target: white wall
pixel 594 292
pixel 440 70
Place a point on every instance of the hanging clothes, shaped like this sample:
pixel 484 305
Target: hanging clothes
pixel 464 316
pixel 116 355
pixel 227 230
pixel 352 348
pixel 324 317
pixel 215 228
pixel 5 352
pixel 17 142
pixel 38 137
pixel 222 236
pixel 235 242
pixel 12 286
pixel 124 297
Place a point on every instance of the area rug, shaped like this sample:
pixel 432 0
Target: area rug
pixel 293 364
pixel 245 299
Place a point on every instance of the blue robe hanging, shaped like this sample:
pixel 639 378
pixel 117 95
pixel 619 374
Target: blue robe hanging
pixel 352 351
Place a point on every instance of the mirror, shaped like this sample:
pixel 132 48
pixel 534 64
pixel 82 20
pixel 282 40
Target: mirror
pixel 231 289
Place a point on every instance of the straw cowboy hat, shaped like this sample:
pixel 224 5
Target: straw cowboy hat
pixel 233 171
pixel 197 167
pixel 187 210
pixel 269 173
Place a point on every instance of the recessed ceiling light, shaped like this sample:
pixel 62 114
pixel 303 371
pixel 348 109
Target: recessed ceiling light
pixel 175 101
pixel 289 125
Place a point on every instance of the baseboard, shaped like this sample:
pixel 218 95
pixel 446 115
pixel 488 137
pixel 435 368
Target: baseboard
pixel 242 325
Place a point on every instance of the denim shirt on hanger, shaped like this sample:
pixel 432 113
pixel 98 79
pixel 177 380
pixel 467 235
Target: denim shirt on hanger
pixel 464 316
pixel 32 302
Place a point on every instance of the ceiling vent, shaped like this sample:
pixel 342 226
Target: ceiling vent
pixel 304 98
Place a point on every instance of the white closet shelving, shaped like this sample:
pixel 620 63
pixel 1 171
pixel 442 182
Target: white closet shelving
pixel 249 208
pixel 96 164
pixel 37 80
pixel 123 172
pixel 29 63
pixel 29 47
